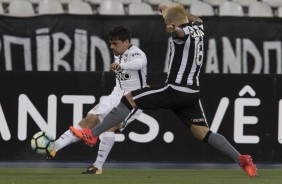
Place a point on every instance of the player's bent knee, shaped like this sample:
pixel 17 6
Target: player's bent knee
pixel 200 132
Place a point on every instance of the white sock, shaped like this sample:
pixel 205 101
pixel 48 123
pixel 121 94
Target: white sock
pixel 65 139
pixel 105 146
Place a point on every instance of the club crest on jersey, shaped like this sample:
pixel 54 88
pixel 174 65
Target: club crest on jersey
pixel 122 76
pixel 125 58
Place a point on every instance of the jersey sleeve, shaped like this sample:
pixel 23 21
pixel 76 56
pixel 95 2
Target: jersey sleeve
pixel 186 30
pixel 135 61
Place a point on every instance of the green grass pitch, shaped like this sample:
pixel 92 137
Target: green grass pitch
pixel 137 176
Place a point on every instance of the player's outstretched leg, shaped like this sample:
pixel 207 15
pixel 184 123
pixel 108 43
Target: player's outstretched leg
pixel 114 118
pixel 219 142
pixel 86 135
pixel 247 165
pixel 64 140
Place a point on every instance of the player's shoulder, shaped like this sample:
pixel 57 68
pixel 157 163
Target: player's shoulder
pixel 133 48
pixel 135 51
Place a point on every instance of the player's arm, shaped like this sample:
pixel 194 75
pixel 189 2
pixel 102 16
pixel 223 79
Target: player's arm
pixel 178 32
pixel 115 66
pixel 135 62
pixel 175 31
pixel 193 18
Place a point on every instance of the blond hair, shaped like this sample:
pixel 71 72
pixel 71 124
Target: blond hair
pixel 175 12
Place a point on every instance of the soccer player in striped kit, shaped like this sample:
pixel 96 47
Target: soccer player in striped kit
pixel 130 67
pixel 181 90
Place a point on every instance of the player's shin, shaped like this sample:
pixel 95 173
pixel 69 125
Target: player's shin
pixel 219 142
pixel 65 139
pixel 106 144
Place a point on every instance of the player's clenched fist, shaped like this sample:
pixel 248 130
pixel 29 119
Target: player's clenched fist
pixel 115 66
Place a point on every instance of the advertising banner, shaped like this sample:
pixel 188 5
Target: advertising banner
pixel 246 109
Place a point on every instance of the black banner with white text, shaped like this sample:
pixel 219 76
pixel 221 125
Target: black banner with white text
pixel 246 109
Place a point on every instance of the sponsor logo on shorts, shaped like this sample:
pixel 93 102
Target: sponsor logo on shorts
pixel 198 120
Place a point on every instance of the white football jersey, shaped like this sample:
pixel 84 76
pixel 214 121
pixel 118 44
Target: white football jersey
pixel 133 71
pixel 132 76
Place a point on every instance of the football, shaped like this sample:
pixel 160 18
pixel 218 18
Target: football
pixel 42 143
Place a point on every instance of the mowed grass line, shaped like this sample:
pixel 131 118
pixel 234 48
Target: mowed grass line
pixel 137 176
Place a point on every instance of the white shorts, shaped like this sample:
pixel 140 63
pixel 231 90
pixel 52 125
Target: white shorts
pixel 107 103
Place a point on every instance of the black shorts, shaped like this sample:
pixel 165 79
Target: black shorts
pixel 183 101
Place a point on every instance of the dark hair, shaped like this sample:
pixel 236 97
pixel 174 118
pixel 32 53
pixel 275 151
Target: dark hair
pixel 119 33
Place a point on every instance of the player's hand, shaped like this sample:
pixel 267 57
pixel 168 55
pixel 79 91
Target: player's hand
pixel 115 66
pixel 170 28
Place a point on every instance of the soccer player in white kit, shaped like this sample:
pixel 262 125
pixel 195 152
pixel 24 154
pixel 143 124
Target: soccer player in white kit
pixel 130 67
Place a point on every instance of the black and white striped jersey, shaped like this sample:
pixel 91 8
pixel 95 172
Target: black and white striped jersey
pixel 186 56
